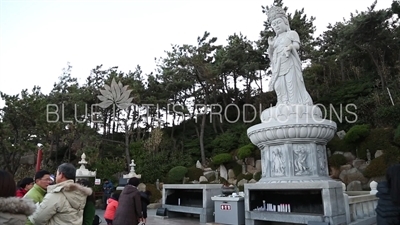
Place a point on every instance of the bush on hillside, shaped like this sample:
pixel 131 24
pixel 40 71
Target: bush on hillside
pixel 357 133
pixel 378 139
pixel 236 167
pixel 245 151
pixel 257 176
pixel 336 144
pixel 222 158
pixel 176 174
pixel 376 168
pixel 194 173
pixel 155 193
pixel 337 160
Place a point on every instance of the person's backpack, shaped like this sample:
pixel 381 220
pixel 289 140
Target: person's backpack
pixel 96 220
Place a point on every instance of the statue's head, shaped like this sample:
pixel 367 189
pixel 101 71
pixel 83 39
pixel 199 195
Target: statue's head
pixel 277 19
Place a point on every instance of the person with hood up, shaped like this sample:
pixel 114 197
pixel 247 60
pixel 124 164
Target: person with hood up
pixel 24 186
pixel 388 208
pixel 112 206
pixel 129 211
pixel 13 210
pixel 64 202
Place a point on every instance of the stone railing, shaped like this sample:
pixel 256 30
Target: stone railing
pixel 360 206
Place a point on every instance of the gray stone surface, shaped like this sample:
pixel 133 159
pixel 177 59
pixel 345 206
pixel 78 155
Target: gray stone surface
pixel 354 186
pixel 155 220
pixel 332 199
pixel 204 213
pixel 378 153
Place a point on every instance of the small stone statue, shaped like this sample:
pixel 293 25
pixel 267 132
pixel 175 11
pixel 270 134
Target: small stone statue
pixel 368 156
pixel 158 184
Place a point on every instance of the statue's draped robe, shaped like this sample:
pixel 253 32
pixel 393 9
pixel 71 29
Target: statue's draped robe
pixel 289 85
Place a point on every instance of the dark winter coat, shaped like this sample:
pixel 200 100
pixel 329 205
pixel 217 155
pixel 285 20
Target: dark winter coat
pixel 387 212
pixel 129 209
pixel 145 202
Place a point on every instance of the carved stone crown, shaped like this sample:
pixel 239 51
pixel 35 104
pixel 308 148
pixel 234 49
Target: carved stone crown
pixel 275 12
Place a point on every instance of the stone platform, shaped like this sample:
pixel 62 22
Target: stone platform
pixel 319 201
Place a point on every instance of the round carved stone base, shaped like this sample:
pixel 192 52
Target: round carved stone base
pixel 292 141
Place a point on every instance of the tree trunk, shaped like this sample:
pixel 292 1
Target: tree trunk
pixel 127 133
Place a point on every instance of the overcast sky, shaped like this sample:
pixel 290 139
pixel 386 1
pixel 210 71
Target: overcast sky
pixel 38 38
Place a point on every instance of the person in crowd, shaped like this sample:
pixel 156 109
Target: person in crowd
pixel 64 202
pixel 13 210
pixel 24 186
pixel 53 179
pixel 37 192
pixel 108 188
pixel 112 206
pixel 145 199
pixel 90 208
pixel 388 208
pixel 129 211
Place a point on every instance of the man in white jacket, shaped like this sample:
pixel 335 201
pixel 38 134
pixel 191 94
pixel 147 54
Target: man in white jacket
pixel 64 201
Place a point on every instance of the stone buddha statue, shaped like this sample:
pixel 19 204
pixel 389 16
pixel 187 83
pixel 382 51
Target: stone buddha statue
pixel 287 78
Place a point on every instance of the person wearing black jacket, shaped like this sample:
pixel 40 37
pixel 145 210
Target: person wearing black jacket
pixel 145 197
pixel 388 208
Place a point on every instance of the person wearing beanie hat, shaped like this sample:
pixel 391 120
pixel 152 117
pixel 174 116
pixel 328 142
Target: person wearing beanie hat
pixel 129 209
pixel 24 186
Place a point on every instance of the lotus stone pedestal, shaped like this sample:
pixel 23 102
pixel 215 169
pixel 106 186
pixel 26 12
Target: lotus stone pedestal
pixel 295 182
pixel 292 140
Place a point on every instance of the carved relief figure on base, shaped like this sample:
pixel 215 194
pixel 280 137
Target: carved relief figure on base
pixel 300 161
pixel 321 159
pixel 278 163
pixel 287 78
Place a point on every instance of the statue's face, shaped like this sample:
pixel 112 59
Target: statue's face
pixel 279 26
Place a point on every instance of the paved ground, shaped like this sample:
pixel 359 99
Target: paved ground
pixel 152 219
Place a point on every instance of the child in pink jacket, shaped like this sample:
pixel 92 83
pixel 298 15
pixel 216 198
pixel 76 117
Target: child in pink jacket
pixel 112 205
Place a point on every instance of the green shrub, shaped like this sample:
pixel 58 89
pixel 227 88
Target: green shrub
pixel 236 167
pixel 155 193
pixel 222 158
pixel 224 143
pixel 248 176
pixel 336 144
pixel 176 174
pixel 357 133
pixel 245 151
pixel 239 177
pixel 376 168
pixel 194 173
pixel 257 176
pixel 378 139
pixel 337 160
